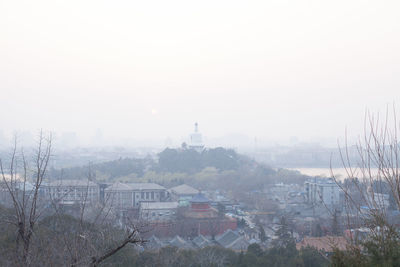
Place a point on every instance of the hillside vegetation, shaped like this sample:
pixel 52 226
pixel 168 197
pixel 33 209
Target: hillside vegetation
pixel 217 168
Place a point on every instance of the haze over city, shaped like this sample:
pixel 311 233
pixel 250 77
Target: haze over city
pixel 200 133
pixel 147 70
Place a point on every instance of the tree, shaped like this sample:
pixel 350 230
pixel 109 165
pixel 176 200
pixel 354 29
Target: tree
pixel 375 172
pixel 44 234
pixel 221 209
pixel 335 223
pixel 284 235
pixel 24 197
pixel 262 235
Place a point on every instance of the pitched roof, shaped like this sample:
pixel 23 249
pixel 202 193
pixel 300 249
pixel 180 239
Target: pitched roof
pixel 179 242
pixel 200 241
pixel 158 205
pixel 200 198
pixel 118 187
pixel 326 243
pixel 146 186
pixel 71 182
pixel 154 243
pixel 227 238
pixel 184 189
pixel 134 187
pixel 239 244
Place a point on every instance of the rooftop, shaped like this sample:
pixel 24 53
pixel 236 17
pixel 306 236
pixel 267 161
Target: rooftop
pixel 232 240
pixel 326 243
pixel 200 241
pixel 81 183
pixel 158 205
pixel 321 181
pixel 200 198
pixel 146 186
pixel 184 189
pixel 179 242
pixel 134 187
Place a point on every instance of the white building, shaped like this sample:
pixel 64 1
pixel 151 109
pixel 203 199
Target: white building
pixel 322 191
pixel 380 200
pixel 130 195
pixel 158 211
pixel 72 191
pixel 196 139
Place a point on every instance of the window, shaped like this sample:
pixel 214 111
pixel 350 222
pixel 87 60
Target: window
pixel 152 195
pixel 142 195
pixel 147 195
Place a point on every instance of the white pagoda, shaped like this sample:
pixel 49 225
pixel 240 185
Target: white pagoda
pixel 196 139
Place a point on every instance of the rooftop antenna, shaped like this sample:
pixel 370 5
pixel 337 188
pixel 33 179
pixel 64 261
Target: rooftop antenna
pixel 196 127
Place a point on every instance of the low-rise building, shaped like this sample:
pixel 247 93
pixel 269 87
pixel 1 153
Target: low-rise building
pixel 72 191
pixel 232 240
pixel 158 211
pixel 183 194
pixel 130 195
pixel 325 244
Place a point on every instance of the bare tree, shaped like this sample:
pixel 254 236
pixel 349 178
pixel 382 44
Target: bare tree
pixel 371 180
pixel 377 170
pixel 97 233
pixel 45 234
pixel 17 178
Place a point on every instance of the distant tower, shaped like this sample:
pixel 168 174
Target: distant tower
pixel 196 139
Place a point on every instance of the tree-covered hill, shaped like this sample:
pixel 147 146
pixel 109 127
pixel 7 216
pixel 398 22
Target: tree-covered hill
pixel 191 161
pixel 217 168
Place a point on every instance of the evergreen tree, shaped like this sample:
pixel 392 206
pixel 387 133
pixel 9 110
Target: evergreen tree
pixel 262 235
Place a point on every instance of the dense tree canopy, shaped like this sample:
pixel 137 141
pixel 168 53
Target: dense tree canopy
pixel 191 161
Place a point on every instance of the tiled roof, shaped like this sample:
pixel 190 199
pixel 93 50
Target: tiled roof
pixel 146 186
pixel 179 242
pixel 201 242
pixel 326 243
pixel 118 187
pixel 227 238
pixel 200 198
pixel 71 183
pixel 239 244
pixel 158 205
pixel 134 187
pixel 154 243
pixel 184 189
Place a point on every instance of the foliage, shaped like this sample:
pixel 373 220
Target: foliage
pixel 285 238
pixel 216 256
pixel 109 170
pixel 376 172
pixel 191 161
pixel 380 248
pixel 263 236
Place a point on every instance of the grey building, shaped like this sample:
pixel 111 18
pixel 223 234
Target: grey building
pixel 71 191
pixel 322 191
pixel 130 195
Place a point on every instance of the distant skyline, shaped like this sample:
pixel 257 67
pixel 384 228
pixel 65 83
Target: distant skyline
pixel 148 70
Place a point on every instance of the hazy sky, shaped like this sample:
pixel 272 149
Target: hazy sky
pixel 150 69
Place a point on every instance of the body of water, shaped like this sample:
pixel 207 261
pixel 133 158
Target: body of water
pixel 340 173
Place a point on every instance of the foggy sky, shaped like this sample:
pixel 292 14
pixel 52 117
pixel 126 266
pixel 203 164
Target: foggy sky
pixel 150 69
